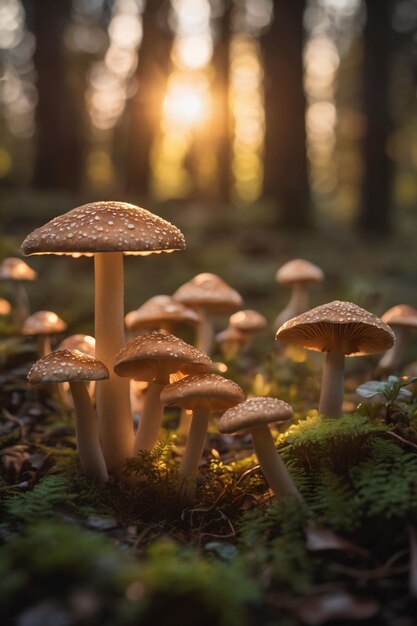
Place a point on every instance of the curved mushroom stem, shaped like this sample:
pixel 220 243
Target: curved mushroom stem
pixel 392 358
pixel 21 311
pixel 88 442
pixel 272 465
pixel 112 395
pixel 194 448
pixel 147 433
pixel 299 302
pixel 205 332
pixel 333 384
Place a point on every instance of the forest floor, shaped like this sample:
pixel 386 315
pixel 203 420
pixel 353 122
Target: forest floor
pixel 76 553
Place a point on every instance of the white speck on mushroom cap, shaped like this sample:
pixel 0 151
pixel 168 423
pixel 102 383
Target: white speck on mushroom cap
pixel 210 292
pixel 67 366
pixel 143 357
pixel 82 343
pixel 158 310
pixel 14 268
pixel 209 392
pixel 341 326
pixel 298 271
pixel 43 323
pixel 401 315
pixel 105 227
pixel 248 320
pixel 254 412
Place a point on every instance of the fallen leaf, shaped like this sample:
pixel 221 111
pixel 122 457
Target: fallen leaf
pixel 340 606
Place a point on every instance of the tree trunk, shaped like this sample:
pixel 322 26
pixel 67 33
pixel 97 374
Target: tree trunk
pixel 376 187
pixel 59 145
pixel 145 107
pixel 285 162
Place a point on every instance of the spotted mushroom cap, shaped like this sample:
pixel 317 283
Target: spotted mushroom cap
pixel 401 315
pixel 5 307
pixel 146 356
pixel 13 268
pixel 159 310
pixel 340 326
pixel 248 321
pixel 43 323
pixel 231 335
pixel 210 292
pixel 83 343
pixel 208 392
pixel 67 366
pixel 105 227
pixel 297 271
pixel 254 412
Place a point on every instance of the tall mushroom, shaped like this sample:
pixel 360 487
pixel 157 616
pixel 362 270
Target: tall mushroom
pixel 42 325
pixel 107 231
pixel 156 358
pixel 298 274
pixel 209 295
pixel 402 319
pixel 254 415
pixel 340 329
pixel 160 313
pixel 15 271
pixel 77 369
pixel 203 395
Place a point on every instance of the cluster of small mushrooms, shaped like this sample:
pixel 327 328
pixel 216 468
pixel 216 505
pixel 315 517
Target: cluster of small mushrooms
pixel 102 372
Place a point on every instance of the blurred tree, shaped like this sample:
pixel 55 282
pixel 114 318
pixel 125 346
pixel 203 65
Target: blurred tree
pixel 285 162
pixel 60 137
pixel 374 214
pixel 145 107
pixel 221 97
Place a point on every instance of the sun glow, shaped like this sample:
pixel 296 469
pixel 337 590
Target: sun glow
pixel 186 103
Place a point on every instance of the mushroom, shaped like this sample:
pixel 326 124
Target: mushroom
pixel 230 340
pixel 42 325
pixel 108 230
pixel 254 415
pixel 156 358
pixel 15 271
pixel 402 319
pixel 203 394
pixel 85 344
pixel 160 313
pixel 340 329
pixel 209 295
pixel 5 307
pixel 77 369
pixel 299 274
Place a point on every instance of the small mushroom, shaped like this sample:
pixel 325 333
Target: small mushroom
pixel 230 341
pixel 16 272
pixel 155 358
pixel 254 415
pixel 83 343
pixel 42 325
pixel 160 313
pixel 203 394
pixel 5 307
pixel 77 369
pixel 298 274
pixel 340 329
pixel 402 319
pixel 209 295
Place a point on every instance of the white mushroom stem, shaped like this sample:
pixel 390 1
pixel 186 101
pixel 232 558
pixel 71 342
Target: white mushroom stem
pixel 44 345
pixel 88 442
pixel 112 395
pixel 205 332
pixel 392 358
pixel 150 420
pixel 185 422
pixel 194 449
pixel 299 303
pixel 333 384
pixel 22 304
pixel 272 465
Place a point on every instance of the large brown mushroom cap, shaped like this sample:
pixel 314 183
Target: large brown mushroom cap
pixel 401 315
pixel 160 310
pixel 254 412
pixel 340 326
pixel 208 392
pixel 67 366
pixel 105 227
pixel 144 356
pixel 248 321
pixel 209 292
pixel 43 323
pixel 13 268
pixel 82 343
pixel 299 271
